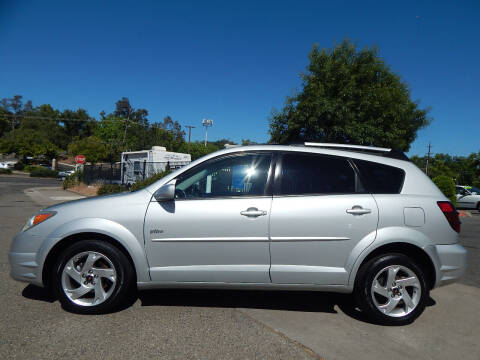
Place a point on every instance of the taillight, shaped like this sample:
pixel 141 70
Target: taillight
pixel 451 214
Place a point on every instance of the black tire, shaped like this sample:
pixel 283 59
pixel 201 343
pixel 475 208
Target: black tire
pixel 121 290
pixel 363 288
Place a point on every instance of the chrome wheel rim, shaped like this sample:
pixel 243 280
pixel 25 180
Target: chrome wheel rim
pixel 396 291
pixel 89 278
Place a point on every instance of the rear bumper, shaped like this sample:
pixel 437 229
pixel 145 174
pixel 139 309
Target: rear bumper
pixel 452 263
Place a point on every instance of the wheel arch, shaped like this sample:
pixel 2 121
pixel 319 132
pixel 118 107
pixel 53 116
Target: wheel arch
pixel 75 238
pixel 419 255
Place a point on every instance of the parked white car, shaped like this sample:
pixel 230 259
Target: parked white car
pixel 64 174
pixel 468 197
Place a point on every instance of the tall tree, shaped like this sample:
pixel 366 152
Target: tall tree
pixel 349 96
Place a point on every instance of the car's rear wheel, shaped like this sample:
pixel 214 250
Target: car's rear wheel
pixel 92 277
pixel 391 289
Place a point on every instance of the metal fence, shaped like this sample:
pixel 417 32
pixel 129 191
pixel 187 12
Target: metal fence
pixel 127 172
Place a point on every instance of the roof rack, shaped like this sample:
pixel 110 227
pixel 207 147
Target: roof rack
pixel 386 152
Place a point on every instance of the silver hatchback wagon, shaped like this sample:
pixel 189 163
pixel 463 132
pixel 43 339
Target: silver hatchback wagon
pixel 317 217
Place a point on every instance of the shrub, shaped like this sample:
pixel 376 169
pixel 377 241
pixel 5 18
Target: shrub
pixel 446 186
pixel 72 180
pixel 148 181
pixel 111 189
pixel 29 168
pixel 5 171
pixel 40 171
pixel 19 166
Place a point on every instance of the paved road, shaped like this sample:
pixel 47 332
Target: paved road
pixel 227 324
pixel 33 326
pixel 470 238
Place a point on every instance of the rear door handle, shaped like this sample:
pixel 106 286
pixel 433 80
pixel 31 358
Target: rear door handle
pixel 253 212
pixel 358 210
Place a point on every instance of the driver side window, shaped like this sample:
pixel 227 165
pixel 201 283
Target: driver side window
pixel 237 175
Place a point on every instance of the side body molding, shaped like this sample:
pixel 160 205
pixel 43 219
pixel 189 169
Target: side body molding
pixel 106 227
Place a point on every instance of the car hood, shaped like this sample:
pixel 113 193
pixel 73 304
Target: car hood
pixel 104 204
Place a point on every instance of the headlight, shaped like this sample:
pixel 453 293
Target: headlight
pixel 38 218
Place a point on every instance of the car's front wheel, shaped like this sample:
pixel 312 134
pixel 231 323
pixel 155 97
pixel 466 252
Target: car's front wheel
pixel 92 277
pixel 391 289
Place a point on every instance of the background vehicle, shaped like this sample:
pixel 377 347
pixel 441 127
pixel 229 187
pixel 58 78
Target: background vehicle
pixel 63 174
pixel 138 165
pixel 468 197
pixel 321 217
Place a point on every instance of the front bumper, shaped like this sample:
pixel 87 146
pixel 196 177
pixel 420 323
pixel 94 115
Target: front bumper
pixel 24 267
pixel 24 258
pixel 452 263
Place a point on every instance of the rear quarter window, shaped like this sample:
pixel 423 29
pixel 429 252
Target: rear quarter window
pixel 380 178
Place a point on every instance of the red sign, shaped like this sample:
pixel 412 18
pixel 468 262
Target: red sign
pixel 80 159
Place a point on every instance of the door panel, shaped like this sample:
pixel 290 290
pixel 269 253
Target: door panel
pixel 319 214
pixel 216 230
pixel 312 236
pixel 208 241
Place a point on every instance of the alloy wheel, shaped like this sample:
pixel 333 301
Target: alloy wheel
pixel 88 278
pixel 396 290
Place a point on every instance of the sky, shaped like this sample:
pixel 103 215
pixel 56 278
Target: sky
pixel 235 61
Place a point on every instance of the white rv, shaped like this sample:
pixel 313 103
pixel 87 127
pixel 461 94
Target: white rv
pixel 138 165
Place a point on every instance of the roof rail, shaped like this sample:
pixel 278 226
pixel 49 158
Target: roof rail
pixel 347 146
pixel 386 152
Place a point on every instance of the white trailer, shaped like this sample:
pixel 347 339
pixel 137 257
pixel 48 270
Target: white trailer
pixel 138 165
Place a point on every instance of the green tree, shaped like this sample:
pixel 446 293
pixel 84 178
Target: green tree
pixel 77 124
pixel 349 96
pixel 93 148
pixel 446 186
pixel 26 142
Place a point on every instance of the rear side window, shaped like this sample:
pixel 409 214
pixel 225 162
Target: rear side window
pixel 303 174
pixel 380 178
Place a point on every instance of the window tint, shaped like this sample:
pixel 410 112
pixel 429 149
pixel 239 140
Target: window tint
pixel 380 178
pixel 239 175
pixel 317 174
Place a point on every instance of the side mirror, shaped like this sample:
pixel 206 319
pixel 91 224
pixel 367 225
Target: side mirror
pixel 165 193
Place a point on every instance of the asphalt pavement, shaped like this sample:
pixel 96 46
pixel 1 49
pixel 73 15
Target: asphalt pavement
pixel 158 326
pixel 190 324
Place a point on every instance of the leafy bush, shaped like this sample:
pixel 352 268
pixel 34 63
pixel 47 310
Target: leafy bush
pixel 111 189
pixel 19 166
pixel 446 186
pixel 5 171
pixel 148 181
pixel 29 168
pixel 72 180
pixel 41 171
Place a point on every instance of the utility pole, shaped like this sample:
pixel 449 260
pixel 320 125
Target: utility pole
pixel 428 156
pixel 206 123
pixel 125 131
pixel 189 127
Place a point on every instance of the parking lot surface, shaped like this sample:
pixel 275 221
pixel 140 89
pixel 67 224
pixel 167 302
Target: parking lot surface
pixel 188 324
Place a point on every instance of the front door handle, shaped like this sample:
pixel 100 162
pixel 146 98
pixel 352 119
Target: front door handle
pixel 358 210
pixel 253 212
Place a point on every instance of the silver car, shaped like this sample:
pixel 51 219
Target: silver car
pixel 321 217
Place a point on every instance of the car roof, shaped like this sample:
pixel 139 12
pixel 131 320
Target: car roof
pixel 349 153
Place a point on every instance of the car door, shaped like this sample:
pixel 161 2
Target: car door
pixel 320 212
pixel 216 229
